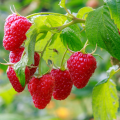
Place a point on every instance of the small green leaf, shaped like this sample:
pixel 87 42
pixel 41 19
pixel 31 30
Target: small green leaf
pixel 101 30
pixel 19 68
pixel 105 100
pixel 62 3
pixel 83 12
pixel 114 7
pixel 71 36
pixel 112 70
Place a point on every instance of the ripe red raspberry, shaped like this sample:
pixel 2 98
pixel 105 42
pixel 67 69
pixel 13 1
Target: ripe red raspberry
pixel 14 80
pixel 15 55
pixel 11 18
pixel 41 90
pixel 63 84
pixel 36 63
pixel 15 29
pixel 81 67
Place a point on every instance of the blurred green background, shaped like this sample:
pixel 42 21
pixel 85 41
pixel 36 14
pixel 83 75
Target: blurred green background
pixel 78 106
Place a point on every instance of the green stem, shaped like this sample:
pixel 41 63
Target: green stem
pixel 117 70
pixel 75 20
pixel 82 30
pixel 61 66
pixel 47 13
pixel 10 64
pixel 83 49
pixel 69 13
pixel 43 52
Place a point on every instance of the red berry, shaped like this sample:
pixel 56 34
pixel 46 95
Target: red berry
pixel 15 55
pixel 15 81
pixel 36 63
pixel 81 67
pixel 15 29
pixel 11 18
pixel 41 90
pixel 63 84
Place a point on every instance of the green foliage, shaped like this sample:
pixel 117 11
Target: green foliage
pixel 114 7
pixel 101 30
pixel 19 68
pixel 53 51
pixel 62 3
pixel 70 37
pixel 30 45
pixel 104 98
pixel 83 12
pixel 51 34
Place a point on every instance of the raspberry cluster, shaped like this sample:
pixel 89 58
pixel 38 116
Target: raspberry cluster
pixel 57 83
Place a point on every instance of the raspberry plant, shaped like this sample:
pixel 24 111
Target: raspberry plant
pixel 57 39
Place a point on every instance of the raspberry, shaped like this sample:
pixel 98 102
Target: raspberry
pixel 14 80
pixel 11 18
pixel 15 29
pixel 36 63
pixel 15 55
pixel 63 84
pixel 41 90
pixel 81 67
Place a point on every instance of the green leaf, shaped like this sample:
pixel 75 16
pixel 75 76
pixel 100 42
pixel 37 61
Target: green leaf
pixel 83 12
pixel 101 30
pixel 53 51
pixel 30 46
pixel 114 7
pixel 71 36
pixel 112 70
pixel 62 3
pixel 55 21
pixel 40 25
pixel 34 34
pixel 105 100
pixel 19 68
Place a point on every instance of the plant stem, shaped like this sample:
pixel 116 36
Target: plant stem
pixel 10 64
pixel 47 13
pixel 43 53
pixel 83 49
pixel 69 13
pixel 117 70
pixel 75 20
pixel 61 66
